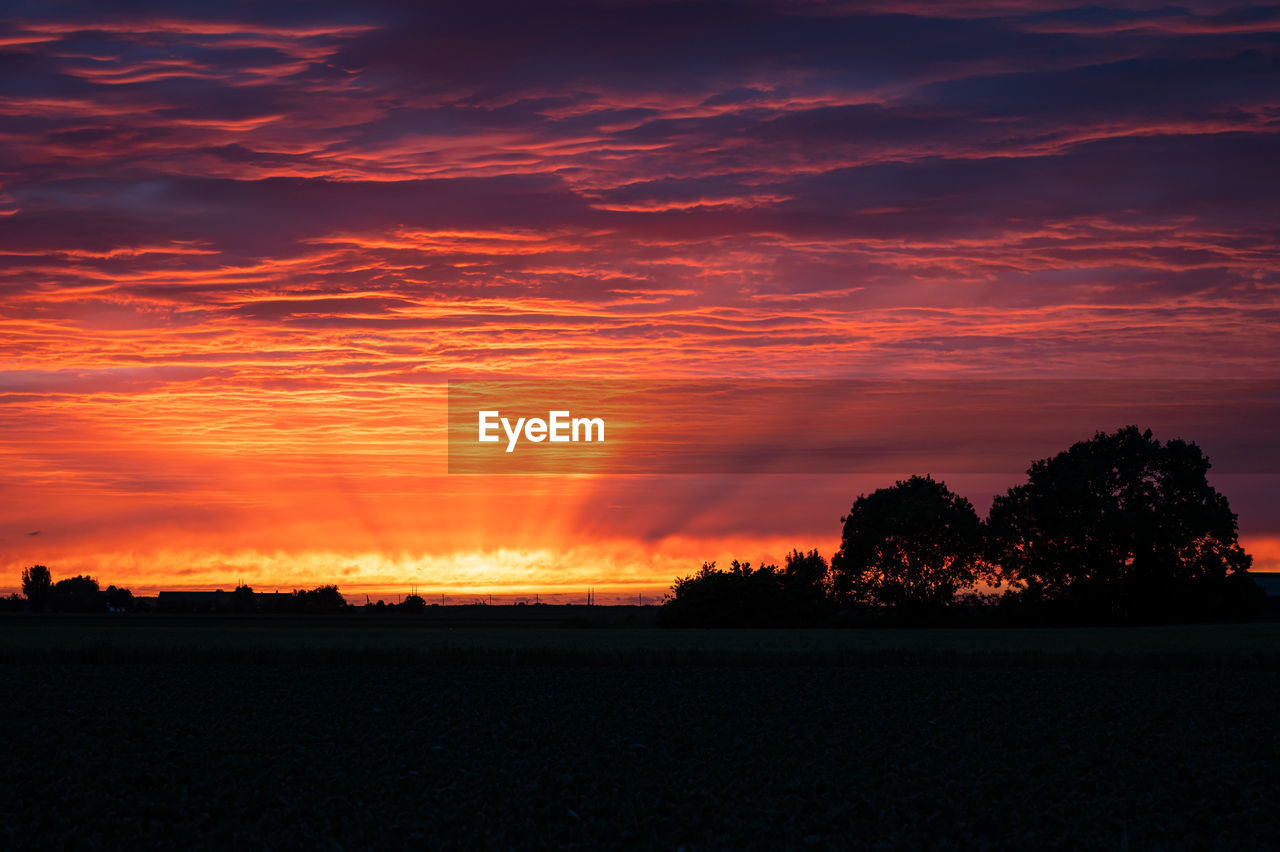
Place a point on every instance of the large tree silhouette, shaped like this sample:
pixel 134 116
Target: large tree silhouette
pixel 37 585
pixel 1121 525
pixel 911 546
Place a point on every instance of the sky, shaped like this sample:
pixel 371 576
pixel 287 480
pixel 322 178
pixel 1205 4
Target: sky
pixel 245 246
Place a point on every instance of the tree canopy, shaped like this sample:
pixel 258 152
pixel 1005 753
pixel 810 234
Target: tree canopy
pixel 37 585
pixel 78 594
pixel 914 545
pixel 1118 528
pixel 1121 524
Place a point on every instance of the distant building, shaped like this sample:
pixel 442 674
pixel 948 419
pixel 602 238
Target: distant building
pixel 214 601
pixel 194 599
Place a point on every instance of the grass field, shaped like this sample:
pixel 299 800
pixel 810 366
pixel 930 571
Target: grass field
pixel 337 733
pixel 146 638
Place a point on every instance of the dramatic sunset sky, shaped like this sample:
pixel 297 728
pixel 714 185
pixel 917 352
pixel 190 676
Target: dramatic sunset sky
pixel 243 247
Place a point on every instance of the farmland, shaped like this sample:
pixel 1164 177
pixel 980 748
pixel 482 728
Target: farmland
pixel 160 732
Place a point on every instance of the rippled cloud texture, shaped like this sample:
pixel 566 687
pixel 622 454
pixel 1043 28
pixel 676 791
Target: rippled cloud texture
pixel 242 247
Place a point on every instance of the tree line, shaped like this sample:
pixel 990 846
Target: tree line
pixel 82 593
pixel 1117 529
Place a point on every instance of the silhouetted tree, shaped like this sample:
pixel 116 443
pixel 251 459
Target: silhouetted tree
pixel 808 571
pixel 37 585
pixel 1123 527
pixel 120 600
pixel 413 604
pixel 322 599
pixel 329 599
pixel 243 599
pixel 78 594
pixel 912 546
pixel 804 582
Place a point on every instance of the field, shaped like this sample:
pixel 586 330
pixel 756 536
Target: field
pixel 204 731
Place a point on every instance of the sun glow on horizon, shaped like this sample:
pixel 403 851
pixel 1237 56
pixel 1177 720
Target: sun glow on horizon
pixel 240 259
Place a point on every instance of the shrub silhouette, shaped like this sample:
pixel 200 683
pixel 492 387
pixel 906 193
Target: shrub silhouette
pixel 745 597
pixel 913 546
pixel 1122 527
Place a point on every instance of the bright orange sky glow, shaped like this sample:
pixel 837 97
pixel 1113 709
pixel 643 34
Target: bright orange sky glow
pixel 241 257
